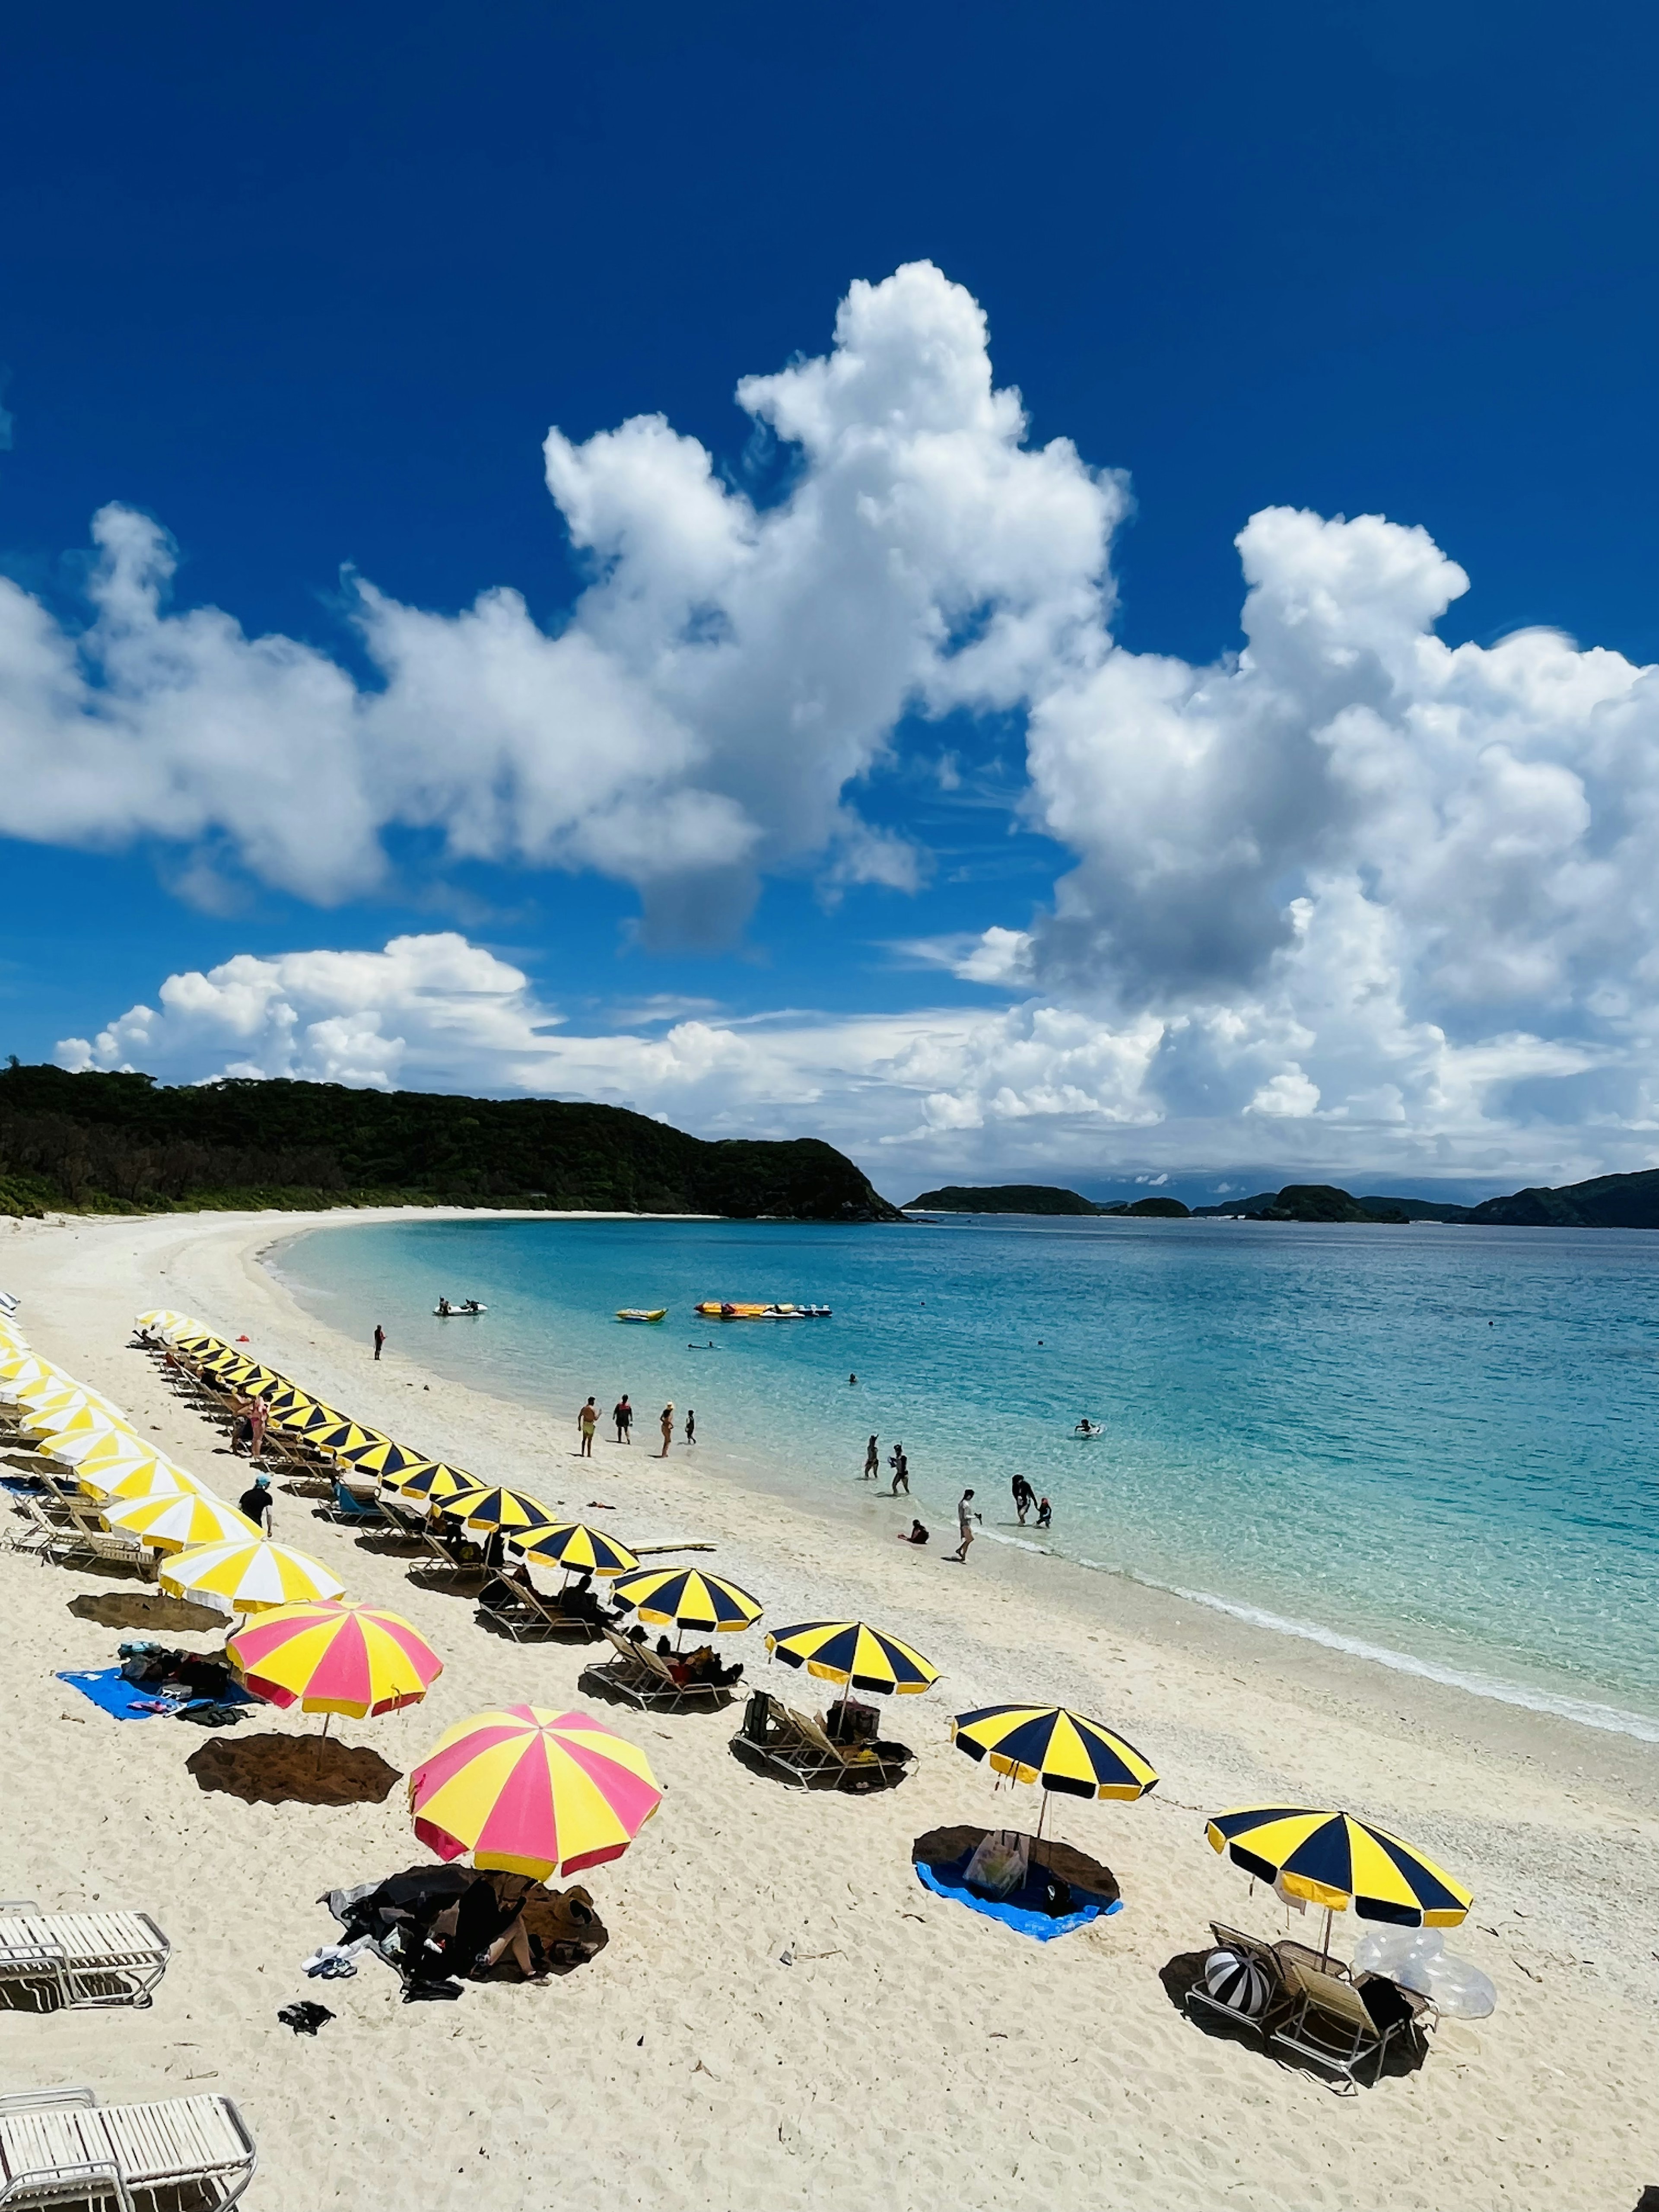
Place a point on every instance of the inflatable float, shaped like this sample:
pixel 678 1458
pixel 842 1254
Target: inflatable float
pixel 725 1309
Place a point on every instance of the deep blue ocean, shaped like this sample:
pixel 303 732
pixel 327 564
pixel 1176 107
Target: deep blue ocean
pixel 1433 1444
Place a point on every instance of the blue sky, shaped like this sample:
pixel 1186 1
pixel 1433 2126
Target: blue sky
pixel 308 299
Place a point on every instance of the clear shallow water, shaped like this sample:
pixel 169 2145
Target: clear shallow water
pixel 1434 1445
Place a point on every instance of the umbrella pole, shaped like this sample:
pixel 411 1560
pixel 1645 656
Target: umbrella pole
pixel 1326 1955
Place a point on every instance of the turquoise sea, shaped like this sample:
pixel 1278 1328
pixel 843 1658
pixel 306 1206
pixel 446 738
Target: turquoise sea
pixel 1436 1445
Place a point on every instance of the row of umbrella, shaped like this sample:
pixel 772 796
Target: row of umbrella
pixel 496 1785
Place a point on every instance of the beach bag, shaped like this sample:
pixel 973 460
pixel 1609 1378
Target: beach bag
pixel 1238 1984
pixel 999 1863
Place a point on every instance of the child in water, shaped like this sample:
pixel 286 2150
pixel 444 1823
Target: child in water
pixel 1045 1514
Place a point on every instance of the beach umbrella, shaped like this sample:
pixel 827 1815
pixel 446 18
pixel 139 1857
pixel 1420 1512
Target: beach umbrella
pixel 21 1369
pixel 199 1340
pixel 510 1510
pixel 383 1459
pixel 160 1317
pixel 306 1420
pixel 84 1419
pixel 248 1576
pixel 1055 1748
pixel 1339 1861
pixel 689 1598
pixel 100 1462
pixel 265 1383
pixel 328 1657
pixel 181 1522
pixel 435 1482
pixel 853 1653
pixel 154 1477
pixel 339 1435
pixel 291 1399
pixel 75 1447
pixel 577 1549
pixel 532 1792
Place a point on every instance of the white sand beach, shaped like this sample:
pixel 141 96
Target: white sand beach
pixel 784 2017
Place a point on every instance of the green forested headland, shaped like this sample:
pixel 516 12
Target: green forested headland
pixel 126 1143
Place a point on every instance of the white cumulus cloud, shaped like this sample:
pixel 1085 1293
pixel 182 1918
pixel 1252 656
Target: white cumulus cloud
pixel 732 668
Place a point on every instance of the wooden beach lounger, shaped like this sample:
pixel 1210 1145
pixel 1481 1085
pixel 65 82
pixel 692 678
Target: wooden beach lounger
pixel 637 1673
pixel 525 1613
pixel 61 2146
pixel 799 1746
pixel 88 1958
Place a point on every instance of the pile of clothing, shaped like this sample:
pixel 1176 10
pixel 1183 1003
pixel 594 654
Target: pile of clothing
pixel 435 1925
pixel 209 1691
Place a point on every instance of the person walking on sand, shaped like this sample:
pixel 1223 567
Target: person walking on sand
pixel 665 1423
pixel 964 1527
pixel 587 1420
pixel 380 1340
pixel 623 1414
pixel 690 1426
pixel 255 1503
pixel 871 1461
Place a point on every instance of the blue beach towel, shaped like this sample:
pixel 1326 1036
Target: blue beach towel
pixel 1044 1926
pixel 111 1691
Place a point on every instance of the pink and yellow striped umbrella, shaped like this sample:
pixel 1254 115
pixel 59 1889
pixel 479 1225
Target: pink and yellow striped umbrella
pixel 335 1658
pixel 533 1792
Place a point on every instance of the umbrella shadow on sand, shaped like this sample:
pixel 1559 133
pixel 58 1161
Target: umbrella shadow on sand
pixel 293 1770
pixel 145 1609
pixel 1405 2055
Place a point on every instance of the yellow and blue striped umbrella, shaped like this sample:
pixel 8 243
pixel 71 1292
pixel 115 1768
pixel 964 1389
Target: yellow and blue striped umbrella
pixel 511 1510
pixel 689 1599
pixel 851 1652
pixel 1334 1860
pixel 383 1458
pixel 436 1481
pixel 341 1435
pixel 1052 1746
pixel 579 1549
pixel 310 1419
pixel 290 1400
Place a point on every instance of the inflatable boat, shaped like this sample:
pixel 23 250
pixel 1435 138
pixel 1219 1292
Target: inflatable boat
pixel 641 1313
pixel 725 1310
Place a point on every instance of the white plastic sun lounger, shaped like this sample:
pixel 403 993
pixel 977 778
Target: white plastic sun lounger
pixel 61 2147
pixel 88 1958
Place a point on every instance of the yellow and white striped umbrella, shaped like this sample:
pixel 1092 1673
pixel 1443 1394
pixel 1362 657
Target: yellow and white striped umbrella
pixel 161 1317
pixel 183 1523
pixel 152 1478
pixel 104 1460
pixel 75 1447
pixel 77 1420
pixel 20 1370
pixel 246 1577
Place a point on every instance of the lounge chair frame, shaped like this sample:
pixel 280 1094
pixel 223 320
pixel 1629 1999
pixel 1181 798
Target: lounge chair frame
pixel 803 1750
pixel 91 1959
pixel 1260 1953
pixel 1331 2026
pixel 61 2146
pixel 637 1673
pixel 69 1542
pixel 528 1614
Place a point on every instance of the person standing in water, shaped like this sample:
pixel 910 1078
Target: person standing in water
pixel 901 1472
pixel 665 1423
pixel 1024 1497
pixel 871 1461
pixel 690 1426
pixel 586 1421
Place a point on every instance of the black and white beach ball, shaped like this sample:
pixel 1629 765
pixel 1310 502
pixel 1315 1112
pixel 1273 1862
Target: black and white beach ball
pixel 1236 1982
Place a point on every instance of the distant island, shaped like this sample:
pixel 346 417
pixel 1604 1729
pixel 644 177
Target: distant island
pixel 1037 1197
pixel 1619 1201
pixel 124 1144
